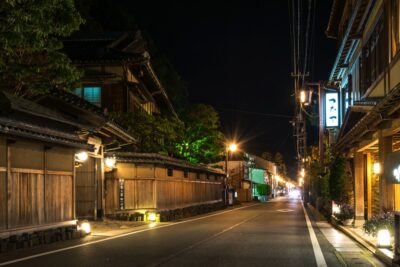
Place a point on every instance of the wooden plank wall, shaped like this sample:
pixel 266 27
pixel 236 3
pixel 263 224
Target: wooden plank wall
pixel 181 193
pixel 31 194
pixel 36 200
pixel 3 200
pixel 171 191
pixel 86 189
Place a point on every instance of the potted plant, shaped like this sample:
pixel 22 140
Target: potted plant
pixel 345 214
pixel 383 221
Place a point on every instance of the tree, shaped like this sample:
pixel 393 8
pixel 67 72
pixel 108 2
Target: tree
pixel 337 180
pixel 154 133
pixel 203 140
pixel 267 156
pixel 30 58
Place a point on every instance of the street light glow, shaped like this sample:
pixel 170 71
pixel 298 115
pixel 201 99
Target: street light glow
pixel 232 147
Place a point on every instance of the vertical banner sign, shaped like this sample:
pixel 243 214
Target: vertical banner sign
pixel 331 109
pixel 121 194
pixel 392 168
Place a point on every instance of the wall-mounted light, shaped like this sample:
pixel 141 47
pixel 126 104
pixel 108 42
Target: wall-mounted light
pixel 302 96
pixel 81 156
pixel 110 162
pixel 377 168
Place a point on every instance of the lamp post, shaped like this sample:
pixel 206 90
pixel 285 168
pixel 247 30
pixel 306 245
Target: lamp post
pixel 232 147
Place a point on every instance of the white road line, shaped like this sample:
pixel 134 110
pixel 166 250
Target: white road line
pixel 319 257
pixel 118 236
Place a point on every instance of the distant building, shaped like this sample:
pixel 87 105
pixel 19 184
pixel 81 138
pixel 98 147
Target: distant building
pixel 246 173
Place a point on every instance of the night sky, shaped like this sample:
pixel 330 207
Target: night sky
pixel 236 56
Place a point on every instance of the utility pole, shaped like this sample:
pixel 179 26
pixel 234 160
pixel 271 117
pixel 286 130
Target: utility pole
pixel 301 132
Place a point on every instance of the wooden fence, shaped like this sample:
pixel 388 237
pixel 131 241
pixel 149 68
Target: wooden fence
pixel 137 187
pixel 32 197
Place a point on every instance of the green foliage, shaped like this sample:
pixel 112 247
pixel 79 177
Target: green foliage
pixel 261 189
pixel 203 140
pixel 337 180
pixel 197 139
pixel 155 134
pixel 30 58
pixel 376 223
pixel 346 212
pixel 267 156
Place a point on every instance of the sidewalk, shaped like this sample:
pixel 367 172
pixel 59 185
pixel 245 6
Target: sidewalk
pixel 108 227
pixel 347 240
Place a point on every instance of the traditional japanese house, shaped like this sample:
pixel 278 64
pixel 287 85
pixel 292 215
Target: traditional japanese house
pixel 98 130
pixel 145 181
pixel 37 167
pixel 118 75
pixel 366 75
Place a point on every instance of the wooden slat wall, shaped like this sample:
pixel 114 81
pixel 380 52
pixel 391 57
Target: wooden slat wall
pixel 111 195
pixel 139 193
pixel 171 191
pixel 181 193
pixel 86 189
pixel 35 201
pixel 3 200
pixel 58 199
pixel 32 192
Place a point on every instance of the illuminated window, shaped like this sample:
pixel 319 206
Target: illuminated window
pixel 90 94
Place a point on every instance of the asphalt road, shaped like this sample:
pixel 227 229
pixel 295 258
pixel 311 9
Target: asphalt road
pixel 268 234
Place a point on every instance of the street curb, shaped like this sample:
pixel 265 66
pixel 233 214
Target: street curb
pixel 368 245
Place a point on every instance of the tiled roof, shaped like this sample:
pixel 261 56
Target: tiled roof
pixel 106 47
pixel 80 103
pixel 133 157
pixel 21 129
pixel 23 118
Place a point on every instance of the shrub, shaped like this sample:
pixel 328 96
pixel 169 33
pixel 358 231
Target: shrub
pixel 376 223
pixel 346 212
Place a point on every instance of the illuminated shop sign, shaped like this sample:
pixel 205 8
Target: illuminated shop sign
pixel 392 168
pixel 332 109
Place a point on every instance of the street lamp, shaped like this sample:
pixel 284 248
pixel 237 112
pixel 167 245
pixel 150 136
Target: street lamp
pixel 232 147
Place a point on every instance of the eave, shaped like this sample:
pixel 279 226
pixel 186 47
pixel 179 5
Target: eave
pixel 382 112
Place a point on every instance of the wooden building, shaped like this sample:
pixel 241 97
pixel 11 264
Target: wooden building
pixel 37 166
pixel 366 74
pixel 98 130
pixel 145 181
pixel 118 75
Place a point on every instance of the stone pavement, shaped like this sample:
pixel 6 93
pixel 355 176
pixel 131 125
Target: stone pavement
pixel 348 250
pixel 352 246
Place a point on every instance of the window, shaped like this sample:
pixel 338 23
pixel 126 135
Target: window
pixel 395 34
pixel 90 94
pixel 185 173
pixel 374 57
pixel 170 172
